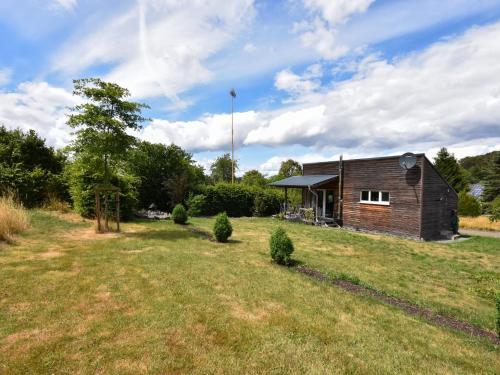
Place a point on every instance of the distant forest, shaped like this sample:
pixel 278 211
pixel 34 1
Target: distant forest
pixel 477 166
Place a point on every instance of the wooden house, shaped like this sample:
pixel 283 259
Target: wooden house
pixel 378 194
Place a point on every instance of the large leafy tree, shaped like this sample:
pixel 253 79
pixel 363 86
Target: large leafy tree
pixel 30 168
pixel 166 173
pixel 492 180
pixel 449 168
pixel 103 121
pixel 221 169
pixel 254 178
pixel 290 168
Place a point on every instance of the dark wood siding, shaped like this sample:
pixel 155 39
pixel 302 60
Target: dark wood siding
pixel 402 216
pixel 439 199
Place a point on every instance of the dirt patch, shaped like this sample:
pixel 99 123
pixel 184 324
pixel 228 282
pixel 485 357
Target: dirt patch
pixel 255 314
pixel 88 233
pixel 407 307
pixel 50 254
pixel 69 216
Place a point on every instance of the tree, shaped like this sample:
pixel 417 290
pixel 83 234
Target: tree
pixel 492 180
pixel 166 173
pixel 477 166
pixel 290 168
pixel 101 143
pixel 103 121
pixel 30 168
pixel 221 168
pixel 254 178
pixel 447 165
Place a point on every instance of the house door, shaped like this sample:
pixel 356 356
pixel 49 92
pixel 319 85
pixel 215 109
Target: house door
pixel 329 203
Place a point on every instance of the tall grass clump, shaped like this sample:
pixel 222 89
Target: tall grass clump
pixel 13 217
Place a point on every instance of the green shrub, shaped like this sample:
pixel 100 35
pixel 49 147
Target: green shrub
pixel 498 313
pixel 309 214
pixel 196 205
pixel 234 199
pixel 281 246
pixel 179 214
pixel 81 179
pixel 495 210
pixel 468 205
pixel 222 227
pixel 267 202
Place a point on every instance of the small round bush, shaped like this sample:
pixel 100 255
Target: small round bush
pixel 222 227
pixel 179 214
pixel 281 246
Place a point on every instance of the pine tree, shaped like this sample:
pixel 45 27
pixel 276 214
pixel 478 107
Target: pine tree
pixel 447 165
pixel 492 181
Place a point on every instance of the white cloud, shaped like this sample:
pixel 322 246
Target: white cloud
pixel 339 11
pixel 157 48
pixel 321 32
pixel 210 132
pixel 66 4
pixel 295 84
pixel 5 76
pixel 272 165
pixel 249 47
pixel 38 106
pixel 443 95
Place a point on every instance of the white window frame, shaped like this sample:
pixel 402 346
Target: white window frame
pixel 380 202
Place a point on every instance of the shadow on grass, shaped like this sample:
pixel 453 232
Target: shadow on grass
pixel 163 235
pixel 295 263
pixel 233 241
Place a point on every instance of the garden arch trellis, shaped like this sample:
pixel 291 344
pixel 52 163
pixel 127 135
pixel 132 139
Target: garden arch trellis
pixel 107 191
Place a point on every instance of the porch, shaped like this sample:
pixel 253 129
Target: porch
pixel 318 204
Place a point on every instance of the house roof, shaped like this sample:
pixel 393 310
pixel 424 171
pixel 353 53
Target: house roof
pixel 311 180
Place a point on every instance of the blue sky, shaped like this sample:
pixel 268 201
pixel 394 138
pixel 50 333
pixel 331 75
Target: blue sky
pixel 315 78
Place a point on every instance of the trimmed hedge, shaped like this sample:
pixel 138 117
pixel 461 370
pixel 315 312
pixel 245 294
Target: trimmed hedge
pixel 236 200
pixel 267 202
pixel 222 227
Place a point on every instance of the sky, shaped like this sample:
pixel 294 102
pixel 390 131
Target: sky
pixel 314 78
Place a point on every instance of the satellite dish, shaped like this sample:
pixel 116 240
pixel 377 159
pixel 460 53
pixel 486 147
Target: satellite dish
pixel 407 160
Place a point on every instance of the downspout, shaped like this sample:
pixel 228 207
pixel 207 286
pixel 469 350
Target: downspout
pixel 316 208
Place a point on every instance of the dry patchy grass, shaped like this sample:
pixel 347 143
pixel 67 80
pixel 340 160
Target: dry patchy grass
pixel 106 307
pixel 479 223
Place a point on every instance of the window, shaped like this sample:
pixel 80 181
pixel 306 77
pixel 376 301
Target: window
pixel 375 197
pixel 365 195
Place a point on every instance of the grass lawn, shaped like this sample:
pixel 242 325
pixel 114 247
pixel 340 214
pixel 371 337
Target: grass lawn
pixel 161 299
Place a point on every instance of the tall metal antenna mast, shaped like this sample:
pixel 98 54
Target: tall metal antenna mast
pixel 233 95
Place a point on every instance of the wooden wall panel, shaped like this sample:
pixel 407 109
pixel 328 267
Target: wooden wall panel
pixel 439 199
pixel 402 216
